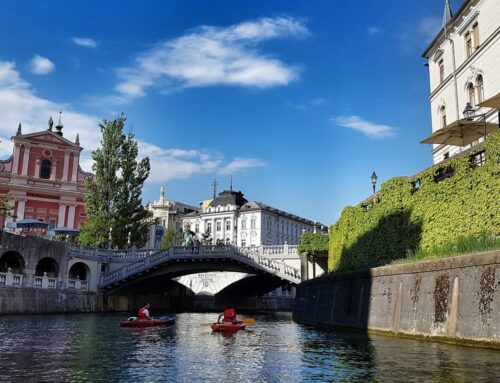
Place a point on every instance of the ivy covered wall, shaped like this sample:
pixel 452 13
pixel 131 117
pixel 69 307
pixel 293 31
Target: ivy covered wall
pixel 438 205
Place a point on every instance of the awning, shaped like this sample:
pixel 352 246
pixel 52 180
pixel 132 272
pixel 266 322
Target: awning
pixel 66 230
pixel 492 102
pixel 30 223
pixel 461 133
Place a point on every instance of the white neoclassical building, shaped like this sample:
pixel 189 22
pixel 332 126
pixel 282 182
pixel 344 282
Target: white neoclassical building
pixel 464 66
pixel 168 215
pixel 231 219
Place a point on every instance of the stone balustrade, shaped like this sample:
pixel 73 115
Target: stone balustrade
pixel 77 284
pixel 10 279
pixel 45 282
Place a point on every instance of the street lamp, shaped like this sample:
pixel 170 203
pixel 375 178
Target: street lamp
pixel 469 112
pixel 374 181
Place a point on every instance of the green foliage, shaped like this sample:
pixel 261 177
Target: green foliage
pixel 168 238
pixel 462 245
pixel 401 220
pixel 113 198
pixel 311 243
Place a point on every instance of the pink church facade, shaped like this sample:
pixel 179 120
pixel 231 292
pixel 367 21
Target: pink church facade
pixel 42 180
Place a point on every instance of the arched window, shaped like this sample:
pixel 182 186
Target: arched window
pixel 45 169
pixel 442 112
pixel 471 94
pixel 480 89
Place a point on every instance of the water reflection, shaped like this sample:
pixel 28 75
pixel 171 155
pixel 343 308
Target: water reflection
pixel 93 348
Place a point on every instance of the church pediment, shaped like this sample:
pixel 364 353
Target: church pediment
pixel 47 137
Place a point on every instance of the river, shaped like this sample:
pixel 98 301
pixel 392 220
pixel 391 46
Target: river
pixel 93 348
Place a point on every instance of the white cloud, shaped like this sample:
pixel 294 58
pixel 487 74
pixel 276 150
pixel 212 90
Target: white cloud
pixel 312 103
pixel 208 56
pixel 368 128
pixel 18 103
pixel 372 31
pixel 84 42
pixel 238 164
pixel 41 65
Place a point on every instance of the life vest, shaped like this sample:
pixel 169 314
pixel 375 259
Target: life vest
pixel 229 315
pixel 143 313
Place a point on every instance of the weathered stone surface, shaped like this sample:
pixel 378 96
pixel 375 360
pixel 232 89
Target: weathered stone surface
pixel 453 299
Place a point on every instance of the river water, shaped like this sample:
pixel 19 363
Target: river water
pixel 93 348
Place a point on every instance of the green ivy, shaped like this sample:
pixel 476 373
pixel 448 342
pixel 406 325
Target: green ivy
pixel 400 220
pixel 313 243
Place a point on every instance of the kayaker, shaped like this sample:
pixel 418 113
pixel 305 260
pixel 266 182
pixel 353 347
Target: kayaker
pixel 144 312
pixel 229 315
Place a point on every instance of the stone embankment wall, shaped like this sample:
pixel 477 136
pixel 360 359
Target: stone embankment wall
pixel 38 301
pixel 453 299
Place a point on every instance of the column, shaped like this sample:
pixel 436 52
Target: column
pixel 15 165
pixel 71 216
pixel 53 170
pixel 74 172
pixel 26 159
pixel 65 166
pixel 213 231
pixel 21 203
pixel 62 215
pixel 37 167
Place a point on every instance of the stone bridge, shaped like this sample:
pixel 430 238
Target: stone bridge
pixel 127 266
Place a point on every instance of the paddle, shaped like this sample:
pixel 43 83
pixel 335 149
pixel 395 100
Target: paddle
pixel 246 321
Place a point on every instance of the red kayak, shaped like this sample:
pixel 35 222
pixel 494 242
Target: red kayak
pixel 134 322
pixel 221 326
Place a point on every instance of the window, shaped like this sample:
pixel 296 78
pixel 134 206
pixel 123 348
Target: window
pixel 477 159
pixel 468 45
pixel 443 116
pixel 252 223
pixel 243 224
pixel 443 173
pixel 228 225
pixel 45 169
pixel 441 71
pixel 475 35
pixel 209 227
pixel 197 228
pixel 52 224
pixel 480 89
pixel 228 241
pixel 471 94
pixel 243 242
pixel 218 226
pixel 415 186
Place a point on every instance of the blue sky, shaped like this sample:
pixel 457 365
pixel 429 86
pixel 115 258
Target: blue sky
pixel 298 100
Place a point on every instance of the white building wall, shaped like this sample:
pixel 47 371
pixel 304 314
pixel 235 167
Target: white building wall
pixel 485 61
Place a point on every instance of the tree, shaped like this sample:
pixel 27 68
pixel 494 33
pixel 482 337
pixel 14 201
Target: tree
pixel 113 197
pixel 168 238
pixel 5 209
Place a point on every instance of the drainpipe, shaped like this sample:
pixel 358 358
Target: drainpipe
pixel 454 70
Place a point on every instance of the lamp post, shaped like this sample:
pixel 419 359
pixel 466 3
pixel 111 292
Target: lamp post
pixel 110 238
pixel 374 181
pixel 470 115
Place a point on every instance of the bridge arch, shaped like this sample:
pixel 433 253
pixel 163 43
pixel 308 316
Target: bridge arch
pixel 79 270
pixel 12 260
pixel 47 265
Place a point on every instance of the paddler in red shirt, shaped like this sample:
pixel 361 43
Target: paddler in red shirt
pixel 229 315
pixel 144 312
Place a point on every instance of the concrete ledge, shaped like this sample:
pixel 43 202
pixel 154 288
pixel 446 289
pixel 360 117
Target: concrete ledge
pixel 453 300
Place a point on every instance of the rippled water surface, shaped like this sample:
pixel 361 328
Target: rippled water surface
pixel 93 348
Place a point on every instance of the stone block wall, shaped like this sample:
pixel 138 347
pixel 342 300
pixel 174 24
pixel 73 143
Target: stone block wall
pixel 453 299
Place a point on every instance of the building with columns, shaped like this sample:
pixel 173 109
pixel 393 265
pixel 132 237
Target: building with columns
pixel 232 219
pixel 42 180
pixel 169 215
pixel 463 61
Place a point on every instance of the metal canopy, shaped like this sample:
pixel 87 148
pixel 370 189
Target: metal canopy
pixel 66 230
pixel 461 133
pixel 30 223
pixel 492 102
